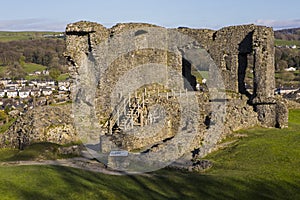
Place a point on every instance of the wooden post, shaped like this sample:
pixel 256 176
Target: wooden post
pixel 129 100
pixel 110 127
pixel 124 102
pixel 142 118
pixel 118 117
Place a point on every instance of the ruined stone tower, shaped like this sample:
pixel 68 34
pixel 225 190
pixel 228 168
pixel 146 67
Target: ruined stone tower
pixel 243 54
pixel 232 48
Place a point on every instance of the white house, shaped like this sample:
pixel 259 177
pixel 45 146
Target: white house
pixel 294 46
pixel 47 91
pixel 12 93
pixel 50 83
pixel 35 92
pixel 285 90
pixel 45 72
pixel 2 93
pixel 290 69
pixel 24 93
pixel 12 85
pixel 4 82
pixel 44 83
pixel 41 83
pixel 64 86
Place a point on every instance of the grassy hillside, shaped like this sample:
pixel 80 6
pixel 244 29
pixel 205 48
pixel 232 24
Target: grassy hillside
pixel 32 67
pixel 7 36
pixel 263 165
pixel 279 42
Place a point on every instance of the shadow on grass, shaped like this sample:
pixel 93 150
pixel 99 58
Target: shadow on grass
pixel 54 182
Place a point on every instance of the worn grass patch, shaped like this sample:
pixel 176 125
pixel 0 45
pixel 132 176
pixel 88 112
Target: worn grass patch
pixel 263 165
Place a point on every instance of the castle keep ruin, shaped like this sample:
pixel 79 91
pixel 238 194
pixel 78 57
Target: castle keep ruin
pixel 243 54
pixel 244 60
pixel 229 47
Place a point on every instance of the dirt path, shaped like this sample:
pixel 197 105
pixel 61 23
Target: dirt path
pixel 78 162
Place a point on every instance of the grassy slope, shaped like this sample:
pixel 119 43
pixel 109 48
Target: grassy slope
pixel 32 67
pixel 264 165
pixel 6 36
pixel 287 42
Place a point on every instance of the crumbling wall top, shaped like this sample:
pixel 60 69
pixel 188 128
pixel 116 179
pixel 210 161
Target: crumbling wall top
pixel 84 27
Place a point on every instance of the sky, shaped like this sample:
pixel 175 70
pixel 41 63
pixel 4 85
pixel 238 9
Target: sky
pixel 54 15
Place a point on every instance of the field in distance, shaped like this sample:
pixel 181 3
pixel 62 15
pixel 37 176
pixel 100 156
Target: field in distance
pixel 6 36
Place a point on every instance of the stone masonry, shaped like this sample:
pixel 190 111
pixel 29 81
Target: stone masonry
pixel 236 51
pixel 229 48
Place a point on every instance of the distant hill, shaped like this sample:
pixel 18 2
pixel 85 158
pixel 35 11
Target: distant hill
pixel 22 53
pixel 288 34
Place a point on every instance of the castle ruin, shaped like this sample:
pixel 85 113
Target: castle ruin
pixel 243 54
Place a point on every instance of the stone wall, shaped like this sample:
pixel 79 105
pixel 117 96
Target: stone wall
pixel 229 47
pixel 42 124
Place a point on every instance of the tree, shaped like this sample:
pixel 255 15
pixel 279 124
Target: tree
pixel 281 65
pixel 22 61
pixel 16 71
pixel 287 76
pixel 54 73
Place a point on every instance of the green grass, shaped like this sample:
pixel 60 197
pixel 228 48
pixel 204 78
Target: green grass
pixel 5 126
pixel 7 36
pixel 43 150
pixel 264 165
pixel 286 42
pixel 28 68
pixel 63 77
pixel 32 67
pixel 199 75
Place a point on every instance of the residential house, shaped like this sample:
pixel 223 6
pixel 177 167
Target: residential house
pixel 44 83
pixel 290 69
pixel 45 72
pixel 4 82
pixel 35 92
pixel 12 93
pixel 293 46
pixel 2 93
pixel 14 85
pixel 46 91
pixel 285 90
pixel 64 86
pixel 24 93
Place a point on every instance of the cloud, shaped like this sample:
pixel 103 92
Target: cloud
pixel 279 24
pixel 32 24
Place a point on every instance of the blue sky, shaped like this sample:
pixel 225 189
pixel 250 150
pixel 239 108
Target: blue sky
pixel 54 15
